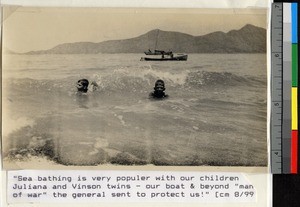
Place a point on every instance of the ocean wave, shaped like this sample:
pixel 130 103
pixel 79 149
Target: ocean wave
pixel 136 80
pixel 222 79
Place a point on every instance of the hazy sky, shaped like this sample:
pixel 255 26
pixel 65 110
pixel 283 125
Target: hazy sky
pixel 27 29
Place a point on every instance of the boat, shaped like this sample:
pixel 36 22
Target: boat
pixel 179 57
pixel 165 56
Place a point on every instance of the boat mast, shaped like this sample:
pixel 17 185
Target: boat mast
pixel 156 40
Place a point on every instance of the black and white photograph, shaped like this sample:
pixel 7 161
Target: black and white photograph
pixel 134 87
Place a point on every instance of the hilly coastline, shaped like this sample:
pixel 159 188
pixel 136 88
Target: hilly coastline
pixel 248 39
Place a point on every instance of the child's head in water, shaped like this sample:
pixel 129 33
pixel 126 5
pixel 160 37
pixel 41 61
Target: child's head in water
pixel 159 89
pixel 159 85
pixel 82 85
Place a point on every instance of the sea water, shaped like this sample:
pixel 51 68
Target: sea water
pixel 215 114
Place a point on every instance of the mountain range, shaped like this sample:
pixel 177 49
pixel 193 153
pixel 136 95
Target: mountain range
pixel 248 39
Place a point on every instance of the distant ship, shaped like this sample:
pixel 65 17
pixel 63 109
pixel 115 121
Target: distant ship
pixel 169 54
pixel 178 57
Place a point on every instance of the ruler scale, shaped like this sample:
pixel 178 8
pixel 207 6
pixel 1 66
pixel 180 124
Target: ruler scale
pixel 276 87
pixel 284 88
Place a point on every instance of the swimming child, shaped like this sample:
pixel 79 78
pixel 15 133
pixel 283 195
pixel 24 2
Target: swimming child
pixel 83 85
pixel 159 90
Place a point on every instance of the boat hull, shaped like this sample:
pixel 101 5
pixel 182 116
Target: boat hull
pixel 176 58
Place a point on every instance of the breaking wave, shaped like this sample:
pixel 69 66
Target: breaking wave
pixel 135 80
